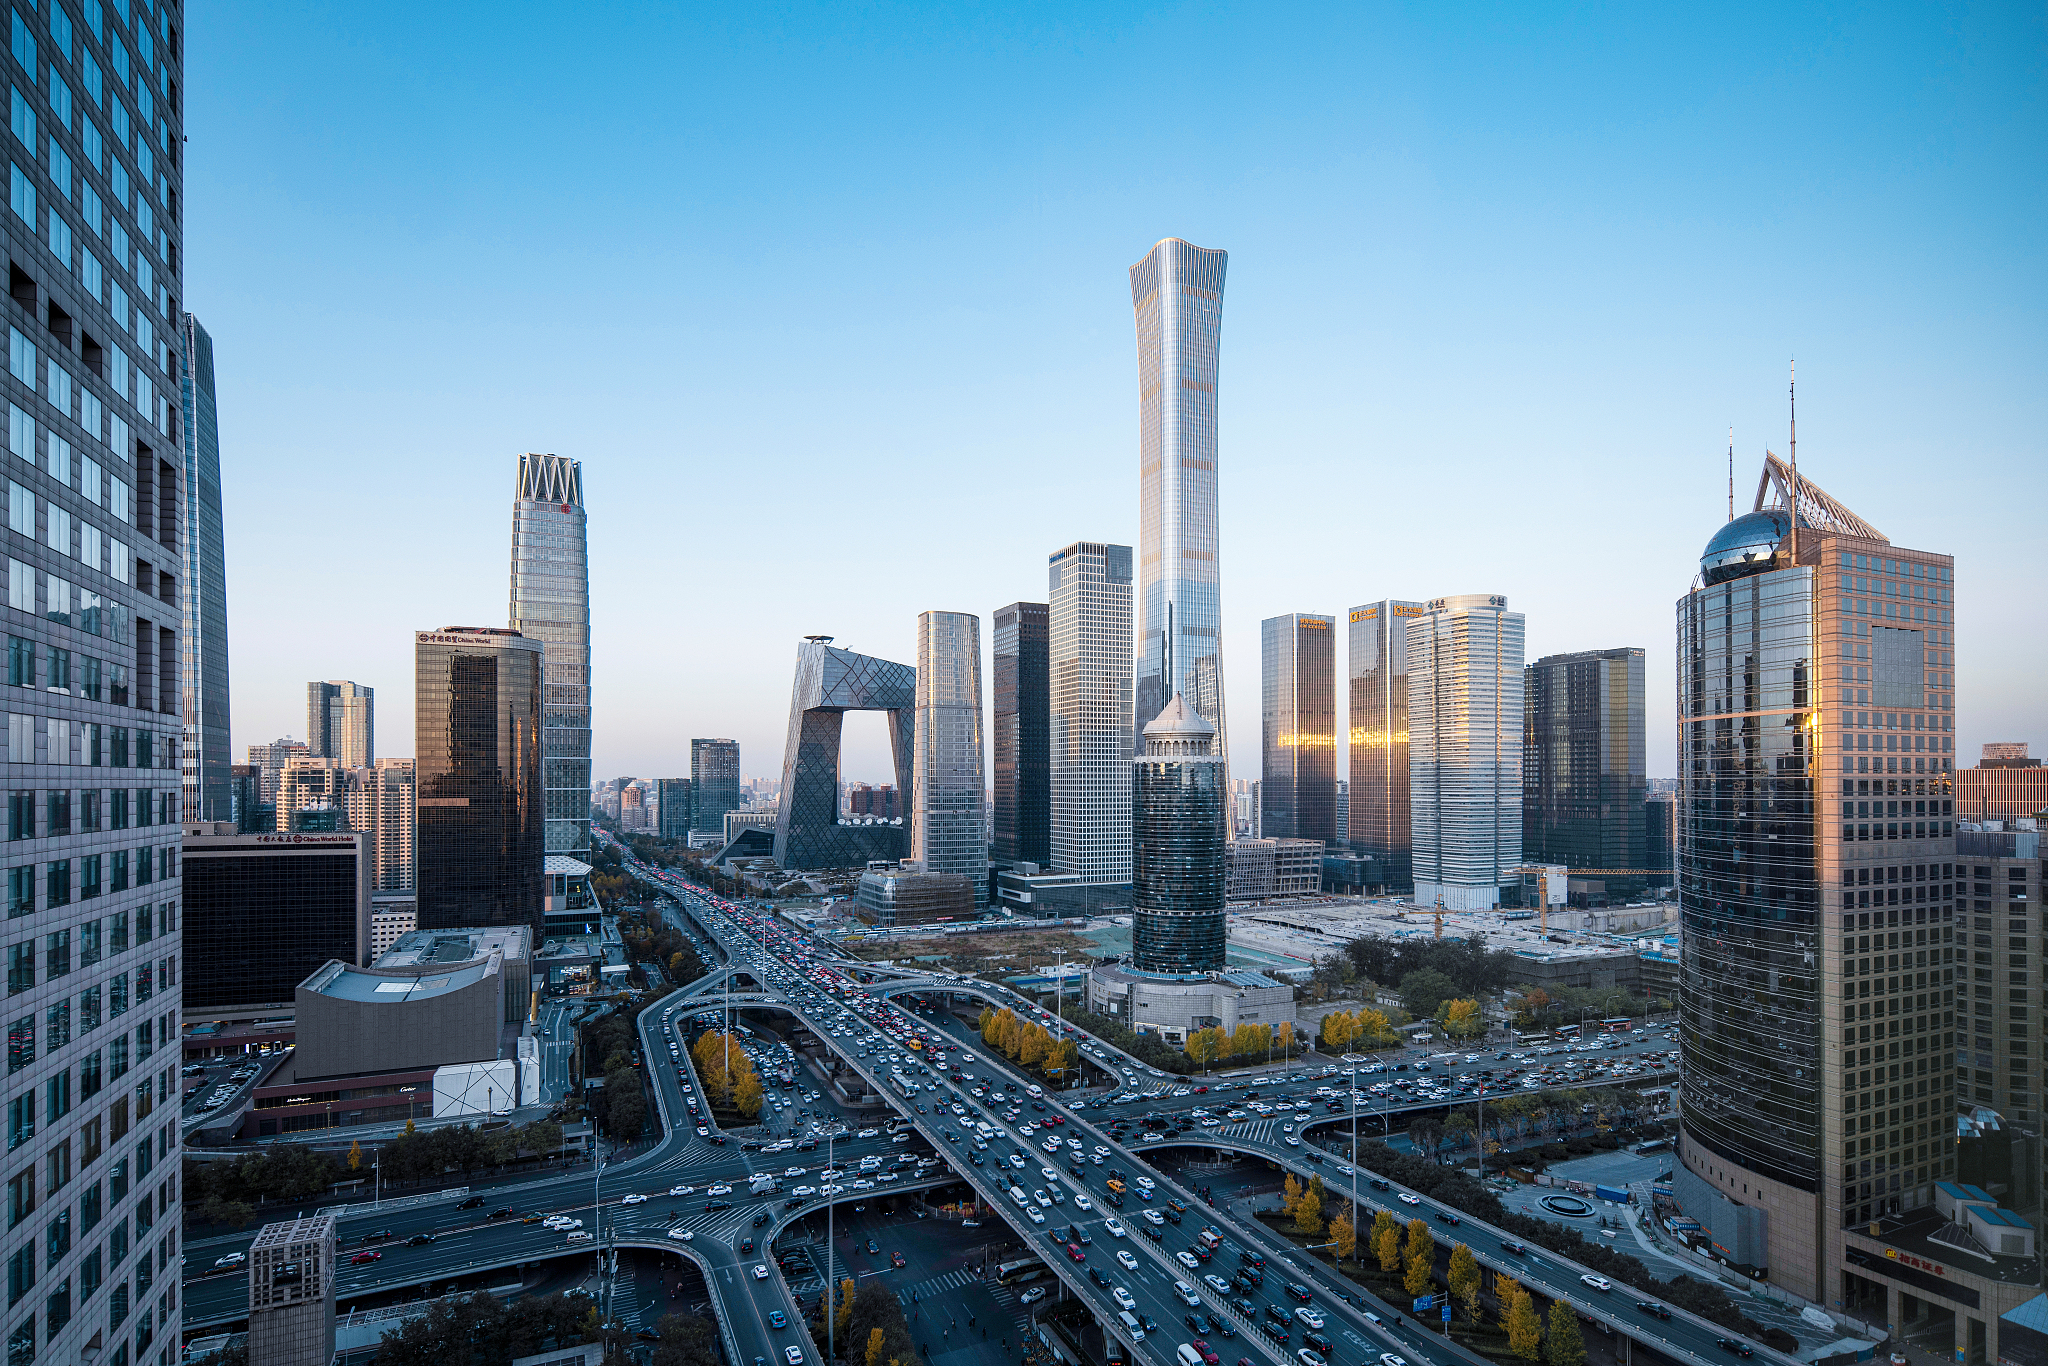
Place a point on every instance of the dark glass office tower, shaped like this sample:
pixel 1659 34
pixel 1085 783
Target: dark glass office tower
pixel 1380 827
pixel 1298 729
pixel 1825 983
pixel 207 757
pixel 714 784
pixel 1021 709
pixel 675 808
pixel 1177 859
pixel 1583 781
pixel 551 604
pixel 477 725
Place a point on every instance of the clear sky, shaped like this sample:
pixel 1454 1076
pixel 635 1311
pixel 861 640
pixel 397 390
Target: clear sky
pixel 832 304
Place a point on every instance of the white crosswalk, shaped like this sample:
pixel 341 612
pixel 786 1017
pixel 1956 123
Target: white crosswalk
pixel 1251 1131
pixel 937 1285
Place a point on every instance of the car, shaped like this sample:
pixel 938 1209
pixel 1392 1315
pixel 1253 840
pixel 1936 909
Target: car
pixel 419 1240
pixel 1309 1317
pixel 1208 1354
pixel 682 1190
pixel 1032 1296
pixel 777 1319
pixel 362 1257
pixel 504 1212
pixel 232 1259
pixel 1217 1283
pixel 1152 1217
pixel 1186 1293
pixel 720 1189
pixel 1735 1345
pixel 1187 1259
pixel 1409 1198
pixel 1513 1249
pixel 474 1202
pixel 635 1199
pixel 1095 1275
pixel 1389 1359
pixel 793 1356
pixel 681 1234
pixel 1126 1261
pixel 382 1235
pixel 1600 1283
pixel 1444 1216
pixel 760 1271
pixel 1198 1324
pixel 1299 1291
pixel 1653 1309
pixel 1308 1358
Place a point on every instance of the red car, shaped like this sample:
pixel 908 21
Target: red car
pixel 1074 1251
pixel 1209 1357
pixel 362 1257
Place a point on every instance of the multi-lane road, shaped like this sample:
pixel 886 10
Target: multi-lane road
pixel 1122 1267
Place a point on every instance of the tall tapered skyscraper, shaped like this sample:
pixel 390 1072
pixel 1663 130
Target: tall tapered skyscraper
pixel 551 604
pixel 948 815
pixel 1177 296
pixel 206 758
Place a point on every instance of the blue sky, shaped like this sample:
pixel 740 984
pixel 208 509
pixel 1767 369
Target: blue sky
pixel 832 303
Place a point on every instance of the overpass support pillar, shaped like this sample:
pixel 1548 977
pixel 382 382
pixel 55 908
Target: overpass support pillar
pixel 1624 1349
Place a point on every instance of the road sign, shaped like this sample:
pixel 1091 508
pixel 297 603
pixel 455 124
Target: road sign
pixel 1447 1313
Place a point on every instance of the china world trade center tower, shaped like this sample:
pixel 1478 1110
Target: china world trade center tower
pixel 551 604
pixel 1177 296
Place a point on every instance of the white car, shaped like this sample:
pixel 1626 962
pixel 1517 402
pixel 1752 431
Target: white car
pixel 232 1259
pixel 1032 1296
pixel 1113 1227
pixel 1036 1217
pixel 1083 1202
pixel 1152 1217
pixel 634 1200
pixel 794 1356
pixel 1125 1260
pixel 1052 1177
pixel 720 1189
pixel 1222 1287
pixel 1408 1199
pixel 760 1271
pixel 682 1190
pixel 1187 1293
pixel 1600 1283
pixel 681 1235
pixel 1389 1359
pixel 802 1190
pixel 1187 1259
pixel 1309 1317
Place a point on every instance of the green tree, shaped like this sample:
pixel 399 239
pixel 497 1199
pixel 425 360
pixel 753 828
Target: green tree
pixel 1424 990
pixel 1566 1346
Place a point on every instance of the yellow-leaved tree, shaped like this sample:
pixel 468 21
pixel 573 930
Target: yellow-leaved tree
pixel 1566 1346
pixel 1461 1019
pixel 874 1353
pixel 1386 1241
pixel 1308 1210
pixel 1463 1279
pixel 1421 1257
pixel 1525 1329
pixel 1345 1235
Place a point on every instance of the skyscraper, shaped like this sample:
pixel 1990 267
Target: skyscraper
pixel 1465 749
pixel 948 826
pixel 1823 997
pixel 1020 717
pixel 477 721
pixel 1583 779
pixel 714 785
pixel 95 618
pixel 270 761
pixel 1088 587
pixel 393 798
pixel 1178 866
pixel 207 756
pixel 1177 296
pixel 674 807
pixel 1377 653
pixel 341 723
pixel 1298 728
pixel 551 604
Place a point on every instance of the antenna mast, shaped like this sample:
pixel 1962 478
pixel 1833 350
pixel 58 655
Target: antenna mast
pixel 1792 399
pixel 1731 474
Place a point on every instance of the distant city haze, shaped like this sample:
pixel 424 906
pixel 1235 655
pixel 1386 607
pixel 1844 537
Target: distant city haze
pixel 835 313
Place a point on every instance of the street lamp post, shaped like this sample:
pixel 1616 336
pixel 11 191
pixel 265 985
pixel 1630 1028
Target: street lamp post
pixel 831 1286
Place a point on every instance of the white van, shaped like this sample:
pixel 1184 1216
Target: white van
pixel 1017 1196
pixel 1036 1093
pixel 1130 1323
pixel 1188 1355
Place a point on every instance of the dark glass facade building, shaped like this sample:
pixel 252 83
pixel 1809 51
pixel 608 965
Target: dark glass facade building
pixel 674 807
pixel 1020 708
pixel 1178 866
pixel 1377 662
pixel 1822 984
pixel 477 725
pixel 1298 728
pixel 303 896
pixel 1583 778
pixel 207 755
pixel 714 784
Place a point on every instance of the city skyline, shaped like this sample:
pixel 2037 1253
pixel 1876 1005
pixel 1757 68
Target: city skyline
pixel 1535 253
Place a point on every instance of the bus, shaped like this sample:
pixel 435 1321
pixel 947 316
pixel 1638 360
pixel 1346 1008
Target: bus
pixel 1531 1040
pixel 1567 1031
pixel 1019 1271
pixel 1620 1024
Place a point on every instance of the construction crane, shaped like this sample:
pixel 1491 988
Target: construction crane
pixel 1543 902
pixel 1439 915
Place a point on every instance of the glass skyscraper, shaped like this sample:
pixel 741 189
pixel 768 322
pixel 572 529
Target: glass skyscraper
pixel 98 501
pixel 1583 777
pixel 477 722
pixel 1088 586
pixel 207 759
pixel 1020 722
pixel 1177 296
pixel 714 784
pixel 1465 749
pixel 1825 991
pixel 1178 864
pixel 341 722
pixel 551 604
pixel 1298 728
pixel 1377 661
pixel 948 823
